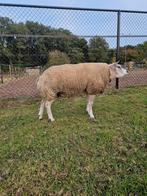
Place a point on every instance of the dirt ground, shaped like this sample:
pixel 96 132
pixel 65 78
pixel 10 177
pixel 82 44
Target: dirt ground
pixel 26 86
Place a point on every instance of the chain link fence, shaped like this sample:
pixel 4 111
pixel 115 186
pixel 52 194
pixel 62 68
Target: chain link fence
pixel 33 38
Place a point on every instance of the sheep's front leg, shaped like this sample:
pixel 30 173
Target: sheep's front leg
pixel 89 106
pixel 41 110
pixel 48 108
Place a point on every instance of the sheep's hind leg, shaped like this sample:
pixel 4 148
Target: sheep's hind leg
pixel 49 112
pixel 89 106
pixel 41 110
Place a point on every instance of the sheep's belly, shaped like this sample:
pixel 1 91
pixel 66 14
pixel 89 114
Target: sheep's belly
pixel 71 93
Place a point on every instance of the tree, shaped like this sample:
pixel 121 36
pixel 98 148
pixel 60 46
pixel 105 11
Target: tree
pixel 142 52
pixel 76 55
pixel 32 50
pixel 129 53
pixel 98 50
pixel 111 55
pixel 6 51
pixel 57 58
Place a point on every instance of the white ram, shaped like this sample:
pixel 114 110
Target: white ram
pixel 73 80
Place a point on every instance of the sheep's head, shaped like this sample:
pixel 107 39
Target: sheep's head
pixel 117 71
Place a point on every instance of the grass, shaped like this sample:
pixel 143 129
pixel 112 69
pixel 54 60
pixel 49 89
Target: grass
pixel 74 156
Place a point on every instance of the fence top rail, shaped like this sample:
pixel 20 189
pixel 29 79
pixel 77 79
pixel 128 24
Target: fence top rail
pixel 65 36
pixel 70 8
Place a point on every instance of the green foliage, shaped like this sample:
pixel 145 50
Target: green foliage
pixel 57 58
pixel 77 50
pixel 137 53
pixel 74 156
pixel 111 55
pixel 76 55
pixel 34 51
pixel 98 50
pixel 142 51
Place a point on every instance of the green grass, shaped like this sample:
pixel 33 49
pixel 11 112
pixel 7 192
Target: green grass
pixel 74 156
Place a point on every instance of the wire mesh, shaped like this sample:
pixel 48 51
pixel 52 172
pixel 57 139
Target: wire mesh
pixel 33 38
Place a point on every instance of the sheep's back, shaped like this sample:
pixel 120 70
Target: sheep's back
pixel 74 79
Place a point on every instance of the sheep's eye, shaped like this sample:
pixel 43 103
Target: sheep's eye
pixel 119 67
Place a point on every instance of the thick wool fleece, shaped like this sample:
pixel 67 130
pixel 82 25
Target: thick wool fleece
pixel 73 80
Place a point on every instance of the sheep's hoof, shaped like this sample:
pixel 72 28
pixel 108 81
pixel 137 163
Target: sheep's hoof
pixel 40 118
pixel 93 119
pixel 51 120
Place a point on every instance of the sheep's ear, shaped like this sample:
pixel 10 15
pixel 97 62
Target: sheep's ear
pixel 117 62
pixel 113 64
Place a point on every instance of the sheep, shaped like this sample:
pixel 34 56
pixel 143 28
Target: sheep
pixel 70 80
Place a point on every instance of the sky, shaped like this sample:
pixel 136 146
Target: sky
pixel 85 23
pixel 105 4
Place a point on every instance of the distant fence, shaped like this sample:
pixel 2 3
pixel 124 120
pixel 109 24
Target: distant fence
pixel 29 34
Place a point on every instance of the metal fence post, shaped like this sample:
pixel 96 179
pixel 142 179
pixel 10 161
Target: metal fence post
pixel 118 45
pixel 1 75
